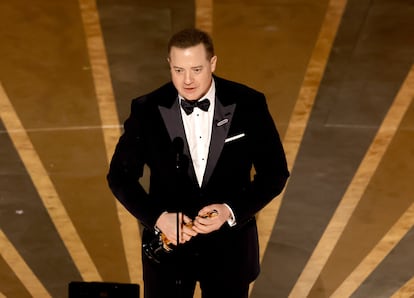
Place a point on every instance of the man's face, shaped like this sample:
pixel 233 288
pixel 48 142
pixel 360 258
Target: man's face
pixel 191 71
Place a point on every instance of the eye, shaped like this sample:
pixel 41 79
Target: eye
pixel 197 70
pixel 178 70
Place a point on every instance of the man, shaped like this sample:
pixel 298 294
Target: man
pixel 201 199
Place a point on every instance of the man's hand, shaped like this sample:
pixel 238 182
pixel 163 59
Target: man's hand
pixel 207 221
pixel 167 223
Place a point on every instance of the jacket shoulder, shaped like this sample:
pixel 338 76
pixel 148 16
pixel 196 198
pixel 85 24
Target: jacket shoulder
pixel 231 91
pixel 157 96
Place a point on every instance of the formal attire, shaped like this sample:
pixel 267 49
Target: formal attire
pixel 242 135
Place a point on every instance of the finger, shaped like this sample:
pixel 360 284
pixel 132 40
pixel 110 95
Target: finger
pixel 188 230
pixel 167 240
pixel 186 219
pixel 205 212
pixel 187 234
pixel 209 214
pixel 206 221
pixel 185 238
pixel 202 228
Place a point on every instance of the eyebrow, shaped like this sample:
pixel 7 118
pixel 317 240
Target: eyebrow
pixel 179 67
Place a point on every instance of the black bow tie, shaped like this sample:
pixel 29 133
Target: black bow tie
pixel 189 105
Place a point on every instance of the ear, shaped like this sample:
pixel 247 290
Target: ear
pixel 213 62
pixel 169 62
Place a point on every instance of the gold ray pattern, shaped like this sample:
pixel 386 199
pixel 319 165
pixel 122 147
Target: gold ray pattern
pixel 46 189
pixel 356 189
pixel 406 291
pixel 204 15
pixel 24 273
pixel 377 255
pixel 110 125
pixel 303 108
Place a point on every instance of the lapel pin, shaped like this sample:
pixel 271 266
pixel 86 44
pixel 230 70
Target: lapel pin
pixel 222 122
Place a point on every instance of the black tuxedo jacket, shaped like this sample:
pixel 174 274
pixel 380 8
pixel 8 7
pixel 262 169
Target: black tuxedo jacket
pixel 243 136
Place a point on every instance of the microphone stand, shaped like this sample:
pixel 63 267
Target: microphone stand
pixel 178 145
pixel 178 280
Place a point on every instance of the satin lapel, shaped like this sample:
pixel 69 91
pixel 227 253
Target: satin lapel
pixel 221 124
pixel 174 124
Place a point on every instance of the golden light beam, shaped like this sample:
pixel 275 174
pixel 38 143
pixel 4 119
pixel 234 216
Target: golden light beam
pixel 377 255
pixel 356 188
pixel 303 108
pixel 204 15
pixel 20 268
pixel 46 189
pixel 398 231
pixel 406 290
pixel 110 126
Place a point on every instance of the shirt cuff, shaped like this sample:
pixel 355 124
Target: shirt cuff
pixel 232 220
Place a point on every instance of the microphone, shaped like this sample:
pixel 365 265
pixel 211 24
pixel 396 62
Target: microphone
pixel 178 147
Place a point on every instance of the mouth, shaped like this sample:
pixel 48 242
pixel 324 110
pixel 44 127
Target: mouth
pixel 189 90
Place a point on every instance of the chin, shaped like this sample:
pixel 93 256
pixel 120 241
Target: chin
pixel 192 97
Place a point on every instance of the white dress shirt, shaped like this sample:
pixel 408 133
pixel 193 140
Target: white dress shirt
pixel 197 128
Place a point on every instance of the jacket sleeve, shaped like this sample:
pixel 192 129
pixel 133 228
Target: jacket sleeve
pixel 127 166
pixel 269 162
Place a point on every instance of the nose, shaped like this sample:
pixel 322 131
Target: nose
pixel 188 78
